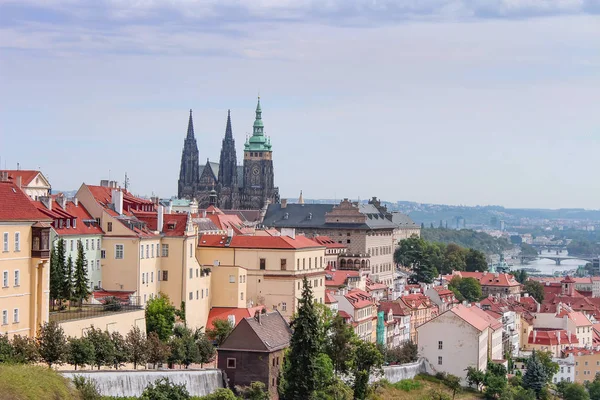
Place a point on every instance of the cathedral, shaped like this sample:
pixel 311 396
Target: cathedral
pixel 226 184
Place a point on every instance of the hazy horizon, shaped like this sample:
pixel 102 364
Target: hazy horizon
pixel 456 102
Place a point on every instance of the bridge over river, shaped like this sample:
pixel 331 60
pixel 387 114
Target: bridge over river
pixel 561 255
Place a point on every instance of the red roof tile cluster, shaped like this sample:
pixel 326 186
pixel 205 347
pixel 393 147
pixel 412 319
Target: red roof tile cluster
pixel 417 300
pixel 470 315
pixel 487 278
pixel 103 196
pixel 174 224
pixel 27 176
pixel 493 319
pixel 397 308
pixel 15 205
pixel 228 221
pixel 560 279
pixel 339 278
pixel 328 242
pixel 359 298
pixel 237 313
pixel 577 317
pixel 329 299
pixel 259 242
pixel 81 222
pixel 551 337
pixel 373 286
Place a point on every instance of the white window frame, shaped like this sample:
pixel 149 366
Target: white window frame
pixel 165 250
pixel 231 278
pixel 5 279
pixel 71 242
pixel 141 251
pixel 16 318
pixel 68 223
pixel 97 242
pixel 17 278
pixel 147 251
pixel 122 247
pixel 191 296
pixel 152 247
pixel 92 244
pixel 17 241
pixel 5 240
pixel 4 317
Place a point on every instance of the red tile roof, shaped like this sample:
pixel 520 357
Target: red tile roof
pixel 486 278
pixel 328 242
pixel 258 242
pixel 15 205
pixel 237 313
pixel 396 307
pixel 174 224
pixel 372 286
pixel 359 298
pixel 85 225
pixel 469 316
pixel 417 300
pixel 577 317
pixel 26 175
pixel 227 221
pixel 329 299
pixel 339 277
pixel 551 337
pixel 121 295
pixel 103 196
pixel 494 320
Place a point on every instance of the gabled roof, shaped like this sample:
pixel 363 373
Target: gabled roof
pixel 469 316
pixel 487 278
pixel 577 317
pixel 268 333
pixel 258 242
pixel 103 195
pixel 551 337
pixel 328 242
pixel 237 314
pixel 359 298
pixel 27 176
pixel 339 277
pixel 329 299
pixel 227 221
pixel 416 300
pixel 15 205
pixel 85 225
pixel 174 224
pixel 492 321
pixel 403 220
pixel 397 309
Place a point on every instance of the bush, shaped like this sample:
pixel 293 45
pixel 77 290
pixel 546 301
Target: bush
pixel 87 388
pixel 164 389
pixel 112 304
pixel 407 385
pixel 220 394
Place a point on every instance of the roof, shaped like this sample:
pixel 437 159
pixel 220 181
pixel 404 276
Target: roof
pixel 396 307
pixel 205 225
pixel 329 299
pixel 372 286
pixel 273 333
pixel 258 242
pixel 236 314
pixel 403 220
pixel 568 279
pixel 244 215
pixel 359 298
pixel 551 337
pixel 577 317
pixel 174 224
pixel 227 221
pixel 416 300
pixel 486 278
pixel 27 176
pixel 339 277
pixel 491 319
pixel 328 242
pixel 121 295
pixel 85 225
pixel 17 206
pixel 559 279
pixel 468 315
pixel 103 195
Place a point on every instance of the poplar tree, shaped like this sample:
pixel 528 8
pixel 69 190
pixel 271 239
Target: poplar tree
pixel 67 287
pixel 57 271
pixel 301 373
pixel 81 289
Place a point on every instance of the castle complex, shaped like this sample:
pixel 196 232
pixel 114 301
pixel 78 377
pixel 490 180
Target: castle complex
pixel 226 184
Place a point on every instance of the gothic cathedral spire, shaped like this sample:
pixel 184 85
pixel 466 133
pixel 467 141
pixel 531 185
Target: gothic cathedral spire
pixel 189 169
pixel 228 160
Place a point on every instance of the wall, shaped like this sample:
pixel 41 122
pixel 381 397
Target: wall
pixel 396 373
pixel 586 367
pixel 226 293
pixel 121 322
pixel 121 274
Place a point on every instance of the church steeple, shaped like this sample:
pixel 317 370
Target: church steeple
pixel 258 141
pixel 228 160
pixel 190 131
pixel 189 169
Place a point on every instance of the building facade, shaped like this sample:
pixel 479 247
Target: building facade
pixel 226 184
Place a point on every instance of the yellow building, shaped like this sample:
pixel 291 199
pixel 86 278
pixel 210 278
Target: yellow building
pixel 148 251
pixel 24 262
pixel 263 269
pixel 587 364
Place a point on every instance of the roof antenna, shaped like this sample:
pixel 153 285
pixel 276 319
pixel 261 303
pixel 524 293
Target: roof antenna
pixel 126 182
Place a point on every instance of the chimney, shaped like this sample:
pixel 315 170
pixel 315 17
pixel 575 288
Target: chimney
pixel 534 335
pixel 204 214
pixel 526 295
pixel 19 181
pixel 47 202
pixel 3 176
pixel 104 183
pixel 283 203
pixel 290 232
pixel 62 201
pixel 160 218
pixel 117 200
pixel 76 201
pixel 230 232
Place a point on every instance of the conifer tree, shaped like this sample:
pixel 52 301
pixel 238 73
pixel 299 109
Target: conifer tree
pixel 81 289
pixel 301 372
pixel 67 287
pixel 535 377
pixel 57 271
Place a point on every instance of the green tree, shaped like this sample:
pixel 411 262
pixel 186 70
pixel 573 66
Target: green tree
pixel 454 258
pixel 136 346
pixel 164 389
pixel 521 276
pixel 206 350
pixel 550 367
pixel 87 388
pixel 67 288
pixel 475 377
pixel 81 284
pixel 158 351
pixel 176 350
pixel 300 375
pixel 52 343
pixel 80 352
pixel 339 344
pixel 336 390
pixel 121 354
pixel 594 388
pixel 453 383
pixel 535 378
pixel 408 353
pixel 324 374
pixel 367 360
pixel 495 385
pixel 575 391
pixel 528 252
pixel 535 290
pixel 410 251
pixel 160 316
pixel 104 349
pixel 57 271
pixel 25 349
pixel 475 261
pixel 220 394
pixel 220 330
pixel 470 289
pixel 6 349
pixel 256 391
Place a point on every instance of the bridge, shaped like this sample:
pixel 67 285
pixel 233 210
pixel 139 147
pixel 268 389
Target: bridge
pixel 549 246
pixel 558 258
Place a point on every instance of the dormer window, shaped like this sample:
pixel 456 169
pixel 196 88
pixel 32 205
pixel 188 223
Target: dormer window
pixel 171 226
pixel 68 223
pixel 75 223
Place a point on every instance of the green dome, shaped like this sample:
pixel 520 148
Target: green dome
pixel 258 141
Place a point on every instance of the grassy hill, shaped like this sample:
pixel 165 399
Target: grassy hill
pixel 420 388
pixel 28 382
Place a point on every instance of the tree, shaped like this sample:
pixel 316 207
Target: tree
pixel 57 271
pixel 550 367
pixel 6 349
pixel 80 352
pixel 470 288
pixel 575 391
pixel 164 389
pixel 256 391
pixel 495 385
pixel 453 383
pixel 475 377
pixel 535 378
pixel 136 346
pixel 81 289
pixel 221 394
pixel 176 351
pixel 206 350
pixel 220 330
pixel 67 288
pixel 367 360
pixel 87 388
pixel 454 258
pixel 521 276
pixel 535 290
pixel 339 344
pixel 25 349
pixel 104 349
pixel 121 354
pixel 158 351
pixel 300 374
pixel 409 352
pixel 52 343
pixel 160 316
pixel 594 388
pixel 528 252
pixel 475 261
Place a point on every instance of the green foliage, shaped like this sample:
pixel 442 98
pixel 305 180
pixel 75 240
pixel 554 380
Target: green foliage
pixel 454 258
pixel 367 361
pixel 528 251
pixel 550 367
pixel 517 393
pixel 575 391
pixel 30 382
pixel 583 247
pixel 87 388
pixel 67 287
pixel 104 349
pixel 407 385
pixel 121 354
pixel 453 383
pixel 535 378
pixel 419 255
pixel 300 374
pixel 112 303
pixel 81 289
pixel 220 330
pixel 438 394
pixel 184 349
pixel 25 349
pixel 335 390
pixel 51 343
pixel 339 344
pixel 57 270
pixel 475 377
pixel 6 349
pixel 467 238
pixel 494 386
pixel 136 346
pixel 220 394
pixel 158 351
pixel 521 276
pixel 475 261
pixel 470 289
pixel 594 388
pixel 160 316
pixel 206 350
pixel 256 391
pixel 535 290
pixel 164 389
pixel 80 352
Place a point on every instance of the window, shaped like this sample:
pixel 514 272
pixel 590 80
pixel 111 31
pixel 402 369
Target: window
pixel 16 314
pixel 263 263
pixel 309 263
pixel 152 250
pixel 440 360
pixel 119 251
pixel 298 264
pixel 440 345
pixel 191 273
pixel 241 295
pixel 298 285
pixel 304 263
pixel 165 276
pixel 231 363
pixel 99 284
pixel 158 275
pixel 141 251
pixel 5 279
pixel 97 241
pixel 191 296
pixel 152 276
pixel 147 251
pixel 17 241
pixel 109 229
pixel 93 241
pixel 4 317
pixel 98 265
pixel 197 294
pixel 71 244
pixel 87 244
pixel 145 299
pixel 143 278
pixel 165 250
pixel 231 278
pixel 68 223
pixel 283 264
pixel 191 250
pixel 206 292
pixel 17 278
pixel 102 254
pixel 321 262
pixel 284 306
pixel 5 239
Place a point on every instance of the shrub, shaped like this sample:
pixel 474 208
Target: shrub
pixel 87 388
pixel 407 385
pixel 112 304
pixel 164 389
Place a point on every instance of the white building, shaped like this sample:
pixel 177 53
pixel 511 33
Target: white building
pixel 459 338
pixel 566 370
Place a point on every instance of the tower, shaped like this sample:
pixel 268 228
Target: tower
pixel 258 167
pixel 228 160
pixel 188 171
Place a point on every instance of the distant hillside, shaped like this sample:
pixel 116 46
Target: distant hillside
pixel 467 238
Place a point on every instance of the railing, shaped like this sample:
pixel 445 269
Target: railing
pixel 111 305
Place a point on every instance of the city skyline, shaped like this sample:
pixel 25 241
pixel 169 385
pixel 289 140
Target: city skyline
pixel 445 102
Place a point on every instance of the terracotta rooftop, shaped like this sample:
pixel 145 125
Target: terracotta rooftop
pixel 339 277
pixel 551 337
pixel 84 225
pixel 469 316
pixel 174 224
pixel 359 298
pixel 27 176
pixel 396 307
pixel 328 242
pixel 237 314
pixel 486 278
pixel 15 205
pixel 258 242
pixel 329 299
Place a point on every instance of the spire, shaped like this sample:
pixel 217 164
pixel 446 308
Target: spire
pixel 228 131
pixel 258 124
pixel 227 175
pixel 301 199
pixel 190 131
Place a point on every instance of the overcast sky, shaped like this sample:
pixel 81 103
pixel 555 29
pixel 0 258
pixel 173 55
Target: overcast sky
pixel 439 101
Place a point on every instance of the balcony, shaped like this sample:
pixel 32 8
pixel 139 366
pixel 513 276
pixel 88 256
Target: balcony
pixel 40 245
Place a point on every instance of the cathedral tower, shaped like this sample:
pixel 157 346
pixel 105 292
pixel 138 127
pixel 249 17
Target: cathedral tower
pixel 188 172
pixel 228 161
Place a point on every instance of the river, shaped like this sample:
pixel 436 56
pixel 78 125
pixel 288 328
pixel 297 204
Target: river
pixel 547 266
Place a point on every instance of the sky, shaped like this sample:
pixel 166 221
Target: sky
pixel 469 102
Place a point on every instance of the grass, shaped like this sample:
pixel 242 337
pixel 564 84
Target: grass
pixel 29 382
pixel 419 389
